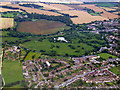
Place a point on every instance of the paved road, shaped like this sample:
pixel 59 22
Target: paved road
pixel 74 79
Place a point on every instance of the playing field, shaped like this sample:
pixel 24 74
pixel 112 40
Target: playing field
pixel 41 26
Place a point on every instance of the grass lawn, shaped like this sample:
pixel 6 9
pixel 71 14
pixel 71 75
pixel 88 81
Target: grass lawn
pixel 116 70
pixel 30 54
pixel 12 71
pixel 106 55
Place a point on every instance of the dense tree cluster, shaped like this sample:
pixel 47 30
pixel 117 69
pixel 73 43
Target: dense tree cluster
pixel 9 7
pixel 63 19
pixel 19 34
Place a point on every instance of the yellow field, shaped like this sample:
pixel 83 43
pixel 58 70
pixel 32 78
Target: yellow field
pixel 108 9
pixel 5 3
pixel 116 12
pixel 5 10
pixel 47 7
pixel 53 6
pixel 83 17
pixel 32 10
pixel 115 7
pixel 6 23
pixel 105 13
pixel 61 7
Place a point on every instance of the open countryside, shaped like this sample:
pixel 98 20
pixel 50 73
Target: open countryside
pixel 59 45
pixel 98 9
pixel 69 9
pixel 6 10
pixel 83 17
pixel 32 10
pixel 41 26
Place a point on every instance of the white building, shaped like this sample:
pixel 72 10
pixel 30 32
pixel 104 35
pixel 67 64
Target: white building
pixel 48 64
pixel 61 39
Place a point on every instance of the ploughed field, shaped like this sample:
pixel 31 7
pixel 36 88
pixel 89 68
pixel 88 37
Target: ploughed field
pixel 41 26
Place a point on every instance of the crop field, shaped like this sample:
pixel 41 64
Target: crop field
pixel 83 17
pixel 4 3
pixel 116 12
pixel 98 9
pixel 61 7
pixel 32 10
pixel 6 10
pixel 108 8
pixel 41 26
pixel 47 7
pixel 76 6
pixel 6 23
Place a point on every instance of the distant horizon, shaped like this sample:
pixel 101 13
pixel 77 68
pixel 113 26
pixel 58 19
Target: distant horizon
pixel 64 0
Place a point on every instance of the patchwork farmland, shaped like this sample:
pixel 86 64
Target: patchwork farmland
pixel 41 26
pixel 104 14
pixel 61 7
pixel 6 23
pixel 32 10
pixel 108 8
pixel 47 7
pixel 4 3
pixel 6 10
pixel 83 17
pixel 72 10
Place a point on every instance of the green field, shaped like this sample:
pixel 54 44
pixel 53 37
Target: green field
pixel 12 71
pixel 116 70
pixel 9 39
pixel 11 15
pixel 59 48
pixel 4 33
pixel 107 4
pixel 106 55
pixel 31 54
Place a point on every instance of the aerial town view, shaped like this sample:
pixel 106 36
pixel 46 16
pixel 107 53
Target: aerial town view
pixel 59 44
